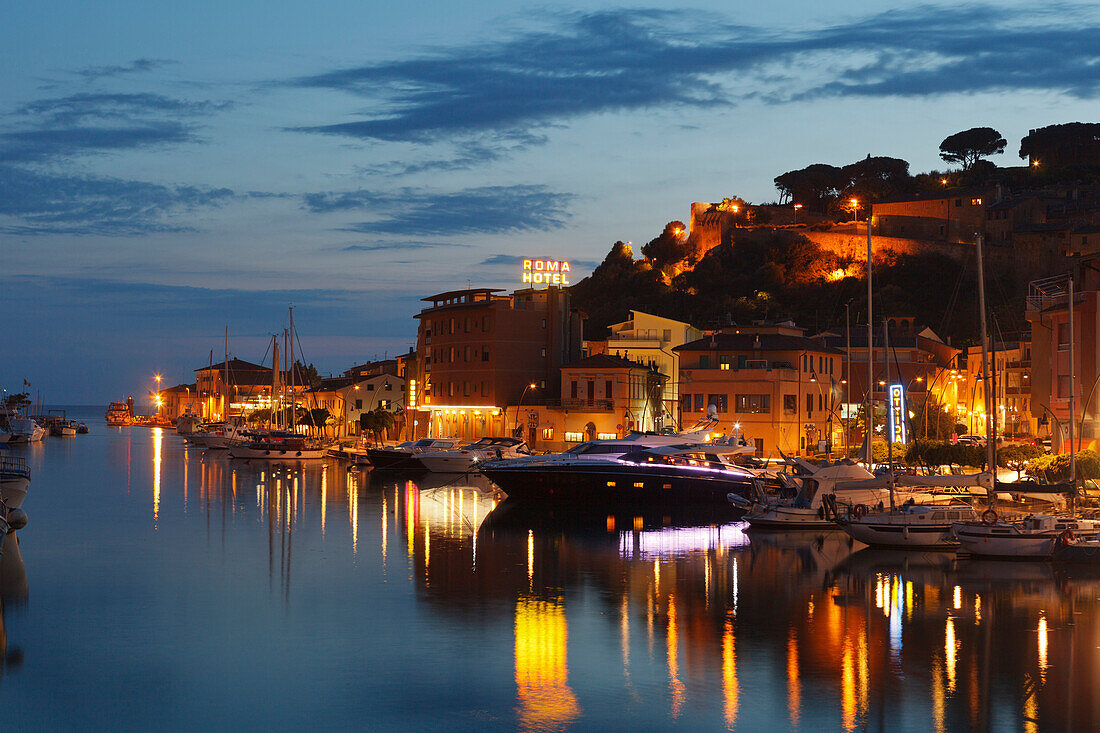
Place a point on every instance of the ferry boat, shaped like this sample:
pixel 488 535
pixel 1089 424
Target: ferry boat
pixel 118 415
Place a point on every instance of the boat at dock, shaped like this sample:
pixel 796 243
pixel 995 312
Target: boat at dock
pixel 119 415
pixel 15 479
pixel 1032 538
pixel 405 457
pixel 471 457
pixel 682 474
pixel 277 445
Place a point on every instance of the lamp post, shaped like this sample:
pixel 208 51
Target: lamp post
pixel 519 406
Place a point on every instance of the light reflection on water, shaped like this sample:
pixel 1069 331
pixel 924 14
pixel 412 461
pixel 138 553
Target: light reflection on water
pixel 159 575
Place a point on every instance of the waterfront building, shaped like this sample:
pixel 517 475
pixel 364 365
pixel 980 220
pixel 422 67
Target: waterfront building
pixel 479 351
pixel 919 361
pixel 650 340
pixel 769 383
pixel 1012 390
pixel 602 397
pixel 178 400
pixel 347 398
pixel 1052 379
pixel 236 388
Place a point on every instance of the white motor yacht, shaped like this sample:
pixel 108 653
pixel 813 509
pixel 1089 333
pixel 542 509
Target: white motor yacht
pixel 403 457
pixel 808 498
pixel 26 430
pixel 1033 537
pixel 470 457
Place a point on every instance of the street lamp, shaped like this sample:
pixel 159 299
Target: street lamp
pixel 519 406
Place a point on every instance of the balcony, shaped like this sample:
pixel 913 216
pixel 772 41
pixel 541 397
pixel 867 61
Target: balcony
pixel 590 405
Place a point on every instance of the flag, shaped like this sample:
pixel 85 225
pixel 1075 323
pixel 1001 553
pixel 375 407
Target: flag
pixel 26 383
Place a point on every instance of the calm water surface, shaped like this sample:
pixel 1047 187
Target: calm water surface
pixel 156 587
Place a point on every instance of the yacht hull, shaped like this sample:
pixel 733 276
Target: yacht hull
pixel 391 460
pixel 277 454
pixel 983 543
pixel 901 536
pixel 609 482
pixel 788 518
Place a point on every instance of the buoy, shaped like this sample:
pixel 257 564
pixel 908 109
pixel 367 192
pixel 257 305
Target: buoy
pixel 17 519
pixel 989 517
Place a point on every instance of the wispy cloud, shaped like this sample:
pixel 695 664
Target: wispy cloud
pixel 137 66
pixel 398 246
pixel 483 210
pixel 575 64
pixel 44 203
pixel 515 260
pixel 80 124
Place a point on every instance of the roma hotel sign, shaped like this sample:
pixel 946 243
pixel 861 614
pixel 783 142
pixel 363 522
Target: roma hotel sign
pixel 546 272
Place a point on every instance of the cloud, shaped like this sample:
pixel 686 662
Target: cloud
pixel 565 65
pixel 137 66
pixel 79 124
pixel 46 203
pixel 397 246
pixel 483 210
pixel 516 260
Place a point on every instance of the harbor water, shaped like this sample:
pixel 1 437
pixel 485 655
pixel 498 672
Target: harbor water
pixel 157 587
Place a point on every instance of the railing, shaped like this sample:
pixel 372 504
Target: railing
pixel 592 404
pixel 16 466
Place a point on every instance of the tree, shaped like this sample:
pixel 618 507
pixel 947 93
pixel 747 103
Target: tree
pixel 377 422
pixel 306 374
pixel 874 179
pixel 1016 457
pixel 668 249
pixel 815 186
pixel 1073 141
pixel 969 146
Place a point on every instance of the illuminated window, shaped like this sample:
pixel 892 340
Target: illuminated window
pixel 975 202
pixel 571 437
pixel 720 401
pixel 548 433
pixel 606 436
pixel 611 483
pixel 639 485
pixel 754 403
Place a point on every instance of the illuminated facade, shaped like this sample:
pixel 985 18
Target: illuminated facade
pixel 347 398
pixel 479 351
pixel 1012 391
pixel 650 340
pixel 769 383
pixel 248 388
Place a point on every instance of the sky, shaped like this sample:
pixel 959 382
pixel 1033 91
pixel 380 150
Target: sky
pixel 170 170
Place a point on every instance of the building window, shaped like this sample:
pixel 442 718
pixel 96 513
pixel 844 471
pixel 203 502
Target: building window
pixel 790 404
pixel 591 390
pixel 809 405
pixel 451 386
pixel 719 401
pixel 666 335
pixel 606 436
pixel 1063 336
pixel 685 403
pixel 573 389
pixel 975 202
pixel 548 433
pixel 452 325
pixel 704 361
pixel 958 202
pixel 359 404
pixel 388 387
pixel 452 355
pixel 607 389
pixel 370 387
pixel 485 323
pixel 572 437
pixel 544 323
pixel 484 388
pixel 466 354
pixel 753 403
pixel 484 354
pixel 465 389
pixel 699 402
pixel 724 362
pixel 543 352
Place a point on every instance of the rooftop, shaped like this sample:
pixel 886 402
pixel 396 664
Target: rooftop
pixel 757 342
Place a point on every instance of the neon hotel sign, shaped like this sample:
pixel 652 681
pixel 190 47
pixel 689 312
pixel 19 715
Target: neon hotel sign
pixel 546 272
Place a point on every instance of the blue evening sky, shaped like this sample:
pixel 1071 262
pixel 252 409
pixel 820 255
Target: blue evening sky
pixel 168 169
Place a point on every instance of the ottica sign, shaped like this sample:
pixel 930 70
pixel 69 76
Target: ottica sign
pixel 897 413
pixel 546 272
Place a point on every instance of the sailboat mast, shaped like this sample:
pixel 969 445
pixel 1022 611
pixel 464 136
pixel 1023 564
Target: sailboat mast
pixel 990 445
pixel 889 409
pixel 225 378
pixel 869 421
pixel 293 401
pixel 1072 379
pixel 276 390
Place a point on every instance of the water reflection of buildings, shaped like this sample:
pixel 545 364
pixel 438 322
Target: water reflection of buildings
pixel 13 592
pixel 689 621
